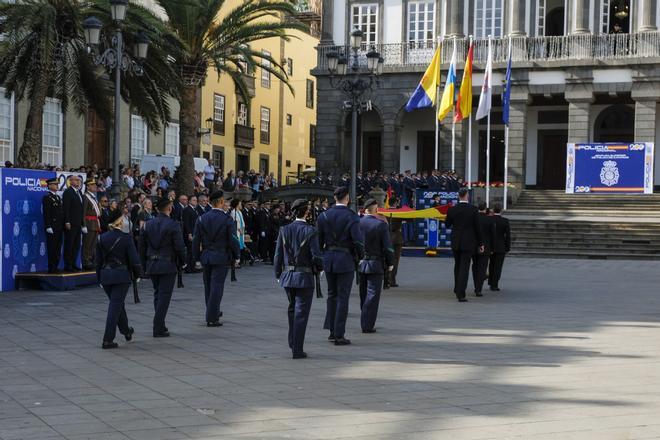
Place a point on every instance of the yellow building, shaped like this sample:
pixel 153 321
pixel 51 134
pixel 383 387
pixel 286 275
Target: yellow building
pixel 275 131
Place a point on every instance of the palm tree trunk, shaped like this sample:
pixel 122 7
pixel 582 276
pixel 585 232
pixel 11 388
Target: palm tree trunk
pixel 29 154
pixel 189 120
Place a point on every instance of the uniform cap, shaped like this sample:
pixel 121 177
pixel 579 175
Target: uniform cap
pixel 53 180
pixel 90 181
pixel 163 203
pixel 370 202
pixel 216 195
pixel 341 192
pixel 299 203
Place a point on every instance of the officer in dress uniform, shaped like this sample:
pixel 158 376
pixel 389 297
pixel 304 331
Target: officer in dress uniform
pixel 378 256
pixel 297 256
pixel 215 245
pixel 341 241
pixel 54 223
pixel 480 261
pixel 92 224
pixel 396 235
pixel 162 252
pixel 117 263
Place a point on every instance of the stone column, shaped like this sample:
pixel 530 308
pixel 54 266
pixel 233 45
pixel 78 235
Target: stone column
pixel 517 18
pixel 581 17
pixel 648 12
pixel 518 109
pixel 645 113
pixel 327 22
pixel 389 146
pixel 578 119
pixel 456 9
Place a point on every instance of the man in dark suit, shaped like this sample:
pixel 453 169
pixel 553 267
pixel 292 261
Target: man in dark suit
pixel 466 239
pixel 54 224
pixel 378 260
pixel 501 246
pixel 188 219
pixel 262 219
pixel 480 260
pixel 215 245
pixel 72 202
pixel 202 204
pixel 341 241
pixel 162 252
pixel 178 207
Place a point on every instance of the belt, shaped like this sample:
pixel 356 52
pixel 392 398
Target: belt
pixel 301 269
pixel 91 217
pixel 158 257
pixel 372 258
pixel 339 249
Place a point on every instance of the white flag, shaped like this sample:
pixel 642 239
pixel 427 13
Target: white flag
pixel 485 100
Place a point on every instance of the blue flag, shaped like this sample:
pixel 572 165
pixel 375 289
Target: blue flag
pixel 506 97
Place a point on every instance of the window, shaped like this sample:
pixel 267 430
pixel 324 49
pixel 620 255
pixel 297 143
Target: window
pixel 488 18
pixel 172 139
pixel 52 146
pixel 138 138
pixel 289 119
pixel 365 17
pixel 6 127
pixel 265 125
pixel 218 157
pixel 242 118
pixel 218 114
pixel 288 163
pixel 265 74
pixel 312 140
pixel 289 66
pixel 310 94
pixel 421 22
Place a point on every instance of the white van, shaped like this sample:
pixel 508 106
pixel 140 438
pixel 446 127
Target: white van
pixel 154 162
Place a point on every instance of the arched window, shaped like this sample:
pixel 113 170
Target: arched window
pixel 615 124
pixel 488 16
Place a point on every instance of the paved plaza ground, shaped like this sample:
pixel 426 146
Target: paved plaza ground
pixel 568 350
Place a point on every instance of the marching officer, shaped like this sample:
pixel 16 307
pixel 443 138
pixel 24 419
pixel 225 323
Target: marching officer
pixel 162 253
pixel 117 264
pixel 54 223
pixel 480 261
pixel 297 258
pixel 396 235
pixel 215 238
pixel 341 241
pixel 378 261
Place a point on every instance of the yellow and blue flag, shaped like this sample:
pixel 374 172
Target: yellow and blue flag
pixel 425 93
pixel 449 94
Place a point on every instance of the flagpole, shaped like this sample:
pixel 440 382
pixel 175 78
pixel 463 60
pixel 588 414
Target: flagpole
pixel 453 126
pixel 469 161
pixel 506 164
pixel 488 162
pixel 435 115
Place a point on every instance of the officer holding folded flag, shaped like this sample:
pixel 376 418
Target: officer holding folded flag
pixel 377 262
pixel 297 259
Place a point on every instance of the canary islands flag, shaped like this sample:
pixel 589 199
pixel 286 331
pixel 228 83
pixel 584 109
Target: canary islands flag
pixel 425 93
pixel 449 94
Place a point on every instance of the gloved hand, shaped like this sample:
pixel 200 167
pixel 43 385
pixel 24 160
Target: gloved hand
pixel 263 233
pixel 237 262
pixel 390 268
pixel 84 229
pixel 50 230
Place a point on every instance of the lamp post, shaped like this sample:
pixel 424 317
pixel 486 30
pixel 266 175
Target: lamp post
pixel 352 82
pixel 115 58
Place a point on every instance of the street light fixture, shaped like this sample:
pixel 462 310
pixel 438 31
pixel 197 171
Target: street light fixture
pixel 354 85
pixel 115 58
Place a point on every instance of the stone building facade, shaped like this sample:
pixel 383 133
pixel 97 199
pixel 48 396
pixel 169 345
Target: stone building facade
pixel 583 71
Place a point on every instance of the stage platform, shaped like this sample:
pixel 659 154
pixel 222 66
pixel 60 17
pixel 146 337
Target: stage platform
pixel 418 251
pixel 55 281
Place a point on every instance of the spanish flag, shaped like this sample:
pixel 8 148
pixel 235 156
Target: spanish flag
pixel 448 96
pixel 464 101
pixel 425 93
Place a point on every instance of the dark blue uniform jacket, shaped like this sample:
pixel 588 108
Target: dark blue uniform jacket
pixel 378 249
pixel 161 246
pixel 116 258
pixel 297 253
pixel 215 236
pixel 340 239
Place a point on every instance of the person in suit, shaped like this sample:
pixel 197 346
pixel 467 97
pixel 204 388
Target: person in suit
pixel 188 220
pixel 162 253
pixel 54 224
pixel 178 207
pixel 501 246
pixel 72 202
pixel 378 256
pixel 215 245
pixel 297 257
pixel 117 264
pixel 466 239
pixel 202 204
pixel 341 241
pixel 480 260
pixel 262 219
pixel 104 204
pixel 92 224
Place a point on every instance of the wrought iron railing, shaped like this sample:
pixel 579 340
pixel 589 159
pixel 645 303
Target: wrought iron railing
pixel 524 49
pixel 243 136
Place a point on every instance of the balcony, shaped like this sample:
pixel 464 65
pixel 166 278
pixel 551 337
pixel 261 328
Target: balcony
pixel 243 136
pixel 531 51
pixel 309 13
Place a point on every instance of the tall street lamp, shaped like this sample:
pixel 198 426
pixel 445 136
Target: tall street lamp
pixel 351 81
pixel 115 58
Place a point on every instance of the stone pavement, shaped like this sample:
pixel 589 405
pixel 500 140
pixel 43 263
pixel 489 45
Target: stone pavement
pixel 568 350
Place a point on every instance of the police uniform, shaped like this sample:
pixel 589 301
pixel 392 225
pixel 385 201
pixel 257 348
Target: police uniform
pixel 396 235
pixel 297 257
pixel 215 245
pixel 54 225
pixel 161 252
pixel 378 256
pixel 341 241
pixel 117 263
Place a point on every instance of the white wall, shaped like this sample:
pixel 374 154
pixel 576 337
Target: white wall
pixel 656 153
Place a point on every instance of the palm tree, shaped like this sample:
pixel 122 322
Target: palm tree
pixel 219 40
pixel 43 53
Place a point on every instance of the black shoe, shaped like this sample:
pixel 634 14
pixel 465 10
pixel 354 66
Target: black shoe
pixel 331 338
pixel 220 315
pixel 478 294
pixel 462 300
pixel 108 345
pixel 214 324
pixel 301 355
pixel 394 285
pixel 129 335
pixel 373 330
pixel 342 341
pixel 495 289
pixel 164 334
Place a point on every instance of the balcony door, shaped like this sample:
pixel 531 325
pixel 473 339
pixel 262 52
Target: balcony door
pixel 550 18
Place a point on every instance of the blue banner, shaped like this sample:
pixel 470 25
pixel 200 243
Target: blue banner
pixel 433 233
pixel 613 168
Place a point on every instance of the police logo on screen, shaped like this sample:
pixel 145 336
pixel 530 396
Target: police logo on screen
pixel 609 174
